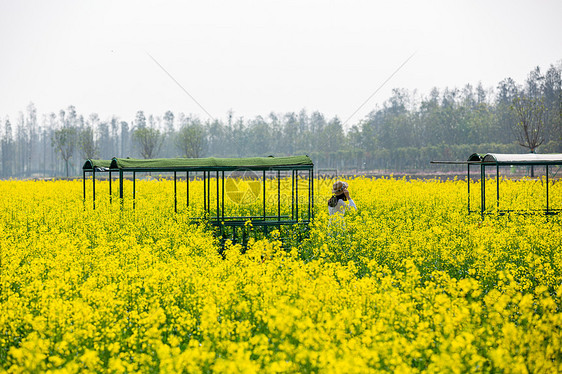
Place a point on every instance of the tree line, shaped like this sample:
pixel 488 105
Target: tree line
pixel 404 133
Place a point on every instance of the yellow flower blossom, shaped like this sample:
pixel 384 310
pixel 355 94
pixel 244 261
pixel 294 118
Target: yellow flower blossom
pixel 408 283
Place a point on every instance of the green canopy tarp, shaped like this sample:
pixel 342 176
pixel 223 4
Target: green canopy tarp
pixel 212 163
pixel 98 164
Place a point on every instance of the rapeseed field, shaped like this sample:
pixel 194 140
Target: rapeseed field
pixel 407 283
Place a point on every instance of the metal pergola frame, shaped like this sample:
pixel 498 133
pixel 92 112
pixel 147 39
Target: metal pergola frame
pixel 99 166
pixel 496 160
pixel 301 214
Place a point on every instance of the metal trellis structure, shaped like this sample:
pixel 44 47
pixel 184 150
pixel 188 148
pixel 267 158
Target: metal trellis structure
pixel 216 173
pixel 497 160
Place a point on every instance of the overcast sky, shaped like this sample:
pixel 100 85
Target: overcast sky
pixel 255 57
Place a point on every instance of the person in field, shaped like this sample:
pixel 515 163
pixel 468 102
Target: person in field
pixel 340 200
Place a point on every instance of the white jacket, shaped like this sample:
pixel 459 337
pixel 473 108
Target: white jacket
pixel 341 207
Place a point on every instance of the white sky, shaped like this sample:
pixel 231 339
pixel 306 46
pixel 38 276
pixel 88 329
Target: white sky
pixel 255 57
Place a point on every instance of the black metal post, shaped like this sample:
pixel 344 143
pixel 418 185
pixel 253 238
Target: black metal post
pixel 187 186
pixel 292 195
pixel 175 193
pixel 278 195
pixel 94 187
pixel 482 189
pixel 546 189
pixel 204 191
pixel 209 191
pixel 309 193
pixel 134 188
pixel 498 186
pixel 297 195
pixel 84 185
pixel 218 210
pixel 468 184
pixel 110 196
pixel 312 189
pixel 222 210
pixel 264 195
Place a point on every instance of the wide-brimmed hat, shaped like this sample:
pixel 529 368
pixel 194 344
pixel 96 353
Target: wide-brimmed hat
pixel 339 187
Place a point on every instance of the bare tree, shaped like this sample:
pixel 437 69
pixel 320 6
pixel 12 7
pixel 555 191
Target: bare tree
pixel 169 121
pixel 8 160
pixel 190 140
pixel 149 141
pixel 64 142
pixel 31 125
pixel 87 143
pixel 531 117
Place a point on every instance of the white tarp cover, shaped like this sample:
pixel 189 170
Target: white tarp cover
pixel 526 158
